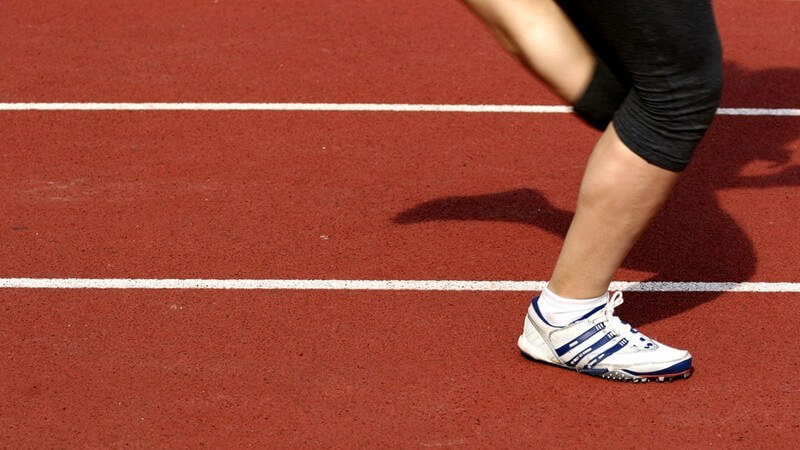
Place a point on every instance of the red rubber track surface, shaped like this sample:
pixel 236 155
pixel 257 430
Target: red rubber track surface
pixel 325 369
pixel 317 51
pixel 368 195
pixel 362 196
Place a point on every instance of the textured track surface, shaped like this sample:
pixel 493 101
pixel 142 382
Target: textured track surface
pixel 381 369
pixel 346 51
pixel 369 195
pixel 362 196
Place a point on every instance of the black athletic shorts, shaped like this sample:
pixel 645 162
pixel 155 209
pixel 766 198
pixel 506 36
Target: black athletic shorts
pixel 659 73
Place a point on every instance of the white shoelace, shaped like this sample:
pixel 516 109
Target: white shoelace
pixel 621 328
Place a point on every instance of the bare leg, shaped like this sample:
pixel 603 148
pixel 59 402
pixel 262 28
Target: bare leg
pixel 620 192
pixel 542 36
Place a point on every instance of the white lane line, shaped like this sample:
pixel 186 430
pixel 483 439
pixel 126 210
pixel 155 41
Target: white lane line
pixel 376 285
pixel 396 107
pixel 758 112
pixel 400 107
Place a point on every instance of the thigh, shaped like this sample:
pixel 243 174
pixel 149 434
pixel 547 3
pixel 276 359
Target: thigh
pixel 657 44
pixel 669 53
pixel 544 39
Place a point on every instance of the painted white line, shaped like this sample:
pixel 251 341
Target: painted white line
pixel 758 112
pixel 396 107
pixel 375 285
pixel 399 107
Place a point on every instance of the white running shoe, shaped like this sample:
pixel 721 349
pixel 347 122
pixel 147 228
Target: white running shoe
pixel 602 345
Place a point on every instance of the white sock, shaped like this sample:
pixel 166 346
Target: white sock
pixel 560 311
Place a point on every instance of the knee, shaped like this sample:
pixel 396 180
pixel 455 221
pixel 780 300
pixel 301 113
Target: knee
pixel 696 84
pixel 711 93
pixel 702 89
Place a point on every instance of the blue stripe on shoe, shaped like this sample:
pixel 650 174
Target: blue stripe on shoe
pixel 589 314
pixel 599 343
pixel 535 304
pixel 578 340
pixel 675 368
pixel 613 349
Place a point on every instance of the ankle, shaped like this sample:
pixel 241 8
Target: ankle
pixel 574 291
pixel 561 311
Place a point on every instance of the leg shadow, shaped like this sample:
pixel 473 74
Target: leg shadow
pixel 694 238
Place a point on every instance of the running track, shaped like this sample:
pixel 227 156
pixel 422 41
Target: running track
pixel 304 195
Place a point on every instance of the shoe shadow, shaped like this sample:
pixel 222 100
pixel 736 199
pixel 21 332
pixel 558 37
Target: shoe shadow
pixel 693 238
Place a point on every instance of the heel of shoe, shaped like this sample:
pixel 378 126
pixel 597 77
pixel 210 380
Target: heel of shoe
pixel 532 344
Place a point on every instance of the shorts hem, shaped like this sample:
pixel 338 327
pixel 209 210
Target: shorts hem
pixel 633 141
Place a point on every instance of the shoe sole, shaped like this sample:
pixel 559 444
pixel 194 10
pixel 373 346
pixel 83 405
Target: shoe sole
pixel 613 375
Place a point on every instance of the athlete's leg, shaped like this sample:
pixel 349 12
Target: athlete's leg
pixel 673 56
pixel 619 195
pixel 553 40
pixel 672 59
pixel 664 59
pixel 544 38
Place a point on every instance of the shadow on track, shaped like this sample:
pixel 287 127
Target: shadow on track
pixel 693 239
